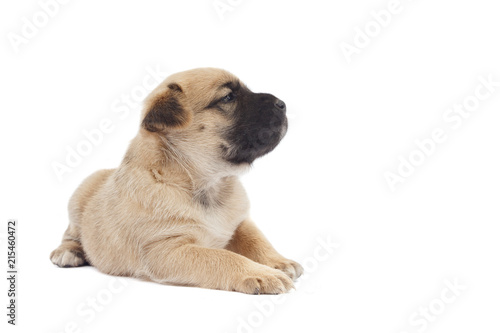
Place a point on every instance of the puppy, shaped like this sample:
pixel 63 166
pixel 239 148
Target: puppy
pixel 174 211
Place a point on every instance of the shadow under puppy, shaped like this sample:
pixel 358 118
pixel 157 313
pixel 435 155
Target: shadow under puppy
pixel 174 211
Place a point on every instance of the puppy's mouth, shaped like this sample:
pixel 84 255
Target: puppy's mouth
pixel 249 141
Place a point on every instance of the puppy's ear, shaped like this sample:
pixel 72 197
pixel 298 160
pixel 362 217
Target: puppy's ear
pixel 166 111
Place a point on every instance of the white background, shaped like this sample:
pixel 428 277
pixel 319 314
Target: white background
pixel 349 122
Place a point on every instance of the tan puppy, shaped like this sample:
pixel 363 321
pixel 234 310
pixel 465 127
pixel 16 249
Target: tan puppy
pixel 174 211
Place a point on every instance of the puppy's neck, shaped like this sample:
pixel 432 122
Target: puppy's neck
pixel 169 165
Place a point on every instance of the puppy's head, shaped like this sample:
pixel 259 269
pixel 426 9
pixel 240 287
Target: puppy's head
pixel 210 113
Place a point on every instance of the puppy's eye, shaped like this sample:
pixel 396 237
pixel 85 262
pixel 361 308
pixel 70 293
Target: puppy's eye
pixel 228 98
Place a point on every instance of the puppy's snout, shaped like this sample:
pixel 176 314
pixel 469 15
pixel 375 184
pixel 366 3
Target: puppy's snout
pixel 280 104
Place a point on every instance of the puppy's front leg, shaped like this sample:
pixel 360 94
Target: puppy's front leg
pixel 180 261
pixel 249 241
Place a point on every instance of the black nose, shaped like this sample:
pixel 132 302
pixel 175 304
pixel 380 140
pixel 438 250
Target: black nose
pixel 280 104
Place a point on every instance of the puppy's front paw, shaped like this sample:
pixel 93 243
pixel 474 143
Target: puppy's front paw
pixel 291 268
pixel 264 280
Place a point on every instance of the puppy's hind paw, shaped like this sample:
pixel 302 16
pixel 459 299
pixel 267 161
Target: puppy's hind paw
pixel 68 254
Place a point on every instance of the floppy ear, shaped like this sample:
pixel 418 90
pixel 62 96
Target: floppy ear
pixel 166 111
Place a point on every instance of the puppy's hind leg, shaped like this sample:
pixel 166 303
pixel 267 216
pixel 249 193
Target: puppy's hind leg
pixel 70 252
